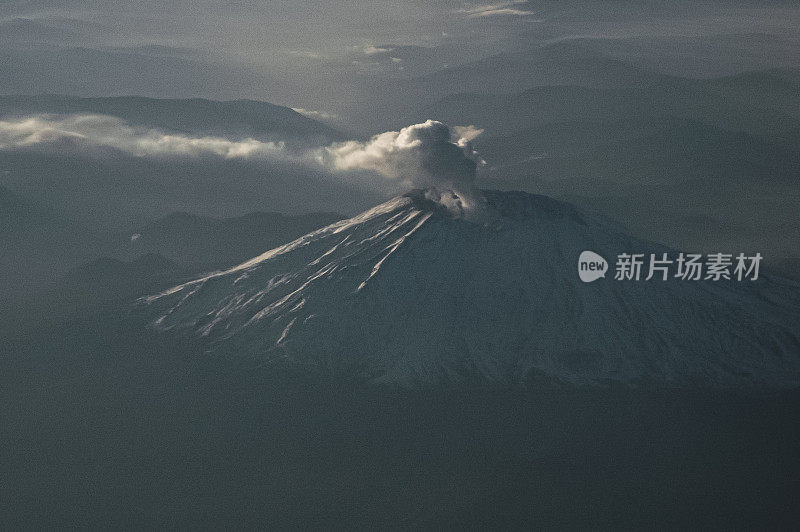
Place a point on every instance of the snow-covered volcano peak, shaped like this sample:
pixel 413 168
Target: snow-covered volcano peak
pixel 411 292
pixel 490 205
pixel 451 201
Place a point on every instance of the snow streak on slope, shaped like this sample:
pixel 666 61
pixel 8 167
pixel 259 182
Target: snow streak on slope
pixel 411 294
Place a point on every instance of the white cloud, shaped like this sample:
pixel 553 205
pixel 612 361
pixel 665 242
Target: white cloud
pixel 430 155
pixel 421 153
pixel 374 50
pixel 492 10
pixel 322 115
pixel 466 133
pixel 103 131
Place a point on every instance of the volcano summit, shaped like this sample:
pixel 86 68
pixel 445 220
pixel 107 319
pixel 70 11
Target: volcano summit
pixel 410 292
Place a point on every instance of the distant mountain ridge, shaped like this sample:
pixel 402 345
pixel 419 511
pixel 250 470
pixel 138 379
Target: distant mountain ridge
pixel 36 241
pixel 764 102
pixel 199 242
pixel 562 63
pixel 40 246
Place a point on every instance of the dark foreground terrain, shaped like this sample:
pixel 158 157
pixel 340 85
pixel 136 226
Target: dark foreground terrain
pixel 120 429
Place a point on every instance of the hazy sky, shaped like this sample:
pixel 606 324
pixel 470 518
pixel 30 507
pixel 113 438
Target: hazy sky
pixel 310 54
pixel 376 68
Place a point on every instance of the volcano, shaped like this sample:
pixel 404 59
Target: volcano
pixel 411 292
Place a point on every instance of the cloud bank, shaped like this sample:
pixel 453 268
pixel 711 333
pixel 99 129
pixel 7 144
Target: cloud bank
pixel 419 154
pixel 103 131
pixel 430 155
